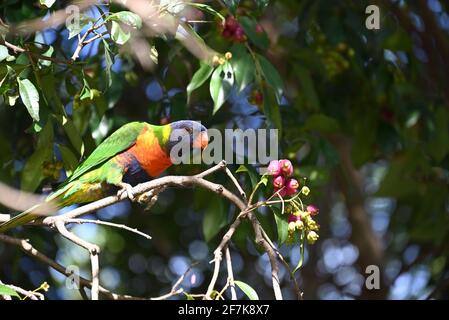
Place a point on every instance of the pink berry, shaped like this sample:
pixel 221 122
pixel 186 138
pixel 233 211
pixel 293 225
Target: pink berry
pixel 292 184
pixel 312 210
pixel 286 167
pixel 293 218
pixel 274 168
pixel 259 28
pixel 279 182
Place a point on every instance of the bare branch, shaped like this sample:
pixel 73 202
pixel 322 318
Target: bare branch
pixel 93 249
pixel 230 274
pixel 110 224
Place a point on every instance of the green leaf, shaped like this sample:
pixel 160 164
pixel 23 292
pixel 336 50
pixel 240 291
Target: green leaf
pixel 118 35
pixel 47 3
pixel 188 296
pixel 243 66
pixel 172 6
pixel 127 17
pixel 30 97
pixel 308 87
pixel 32 173
pixel 69 159
pixel 221 84
pixel 272 110
pixel 109 62
pixel 247 289
pixel 272 76
pixel 7 291
pixel 232 5
pixel 72 133
pixel 321 123
pixel 253 175
pixel 301 252
pixel 260 39
pixel 200 76
pixel 262 4
pixel 75 26
pixel 214 218
pixel 47 53
pixel 439 145
pixel 3 53
pixel 281 224
pixel 207 8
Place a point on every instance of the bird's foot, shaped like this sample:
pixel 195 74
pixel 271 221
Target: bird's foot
pixel 125 187
pixel 148 199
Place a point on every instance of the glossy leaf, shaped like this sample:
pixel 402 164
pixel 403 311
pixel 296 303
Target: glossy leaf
pixel 7 291
pixel 118 35
pixel 32 173
pixel 247 290
pixel 281 224
pixel 127 17
pixel 108 61
pixel 243 66
pixel 30 97
pixel 272 77
pixel 260 39
pixel 221 84
pixel 214 218
pixel 198 79
pixel 47 3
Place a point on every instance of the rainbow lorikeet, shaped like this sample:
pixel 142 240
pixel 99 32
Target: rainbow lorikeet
pixel 134 153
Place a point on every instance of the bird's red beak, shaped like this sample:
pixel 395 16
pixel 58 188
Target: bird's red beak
pixel 201 141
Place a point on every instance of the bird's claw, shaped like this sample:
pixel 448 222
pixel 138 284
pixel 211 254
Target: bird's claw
pixel 149 198
pixel 125 187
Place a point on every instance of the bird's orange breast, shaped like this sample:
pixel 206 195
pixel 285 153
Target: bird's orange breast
pixel 148 152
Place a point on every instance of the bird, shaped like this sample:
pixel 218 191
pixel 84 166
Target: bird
pixel 134 153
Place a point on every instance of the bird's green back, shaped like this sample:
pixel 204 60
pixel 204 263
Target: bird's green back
pixel 119 141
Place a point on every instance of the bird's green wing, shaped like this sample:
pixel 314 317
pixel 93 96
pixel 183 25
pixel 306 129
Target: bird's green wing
pixel 117 142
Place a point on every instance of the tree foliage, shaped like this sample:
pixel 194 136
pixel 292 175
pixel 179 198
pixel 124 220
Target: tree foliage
pixel 363 115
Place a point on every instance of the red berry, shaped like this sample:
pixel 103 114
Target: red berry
pixel 226 34
pixel 259 28
pixel 239 34
pixel 258 98
pixel 231 24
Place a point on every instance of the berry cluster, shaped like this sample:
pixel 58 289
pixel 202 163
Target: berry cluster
pixel 299 219
pixel 303 221
pixel 233 30
pixel 281 170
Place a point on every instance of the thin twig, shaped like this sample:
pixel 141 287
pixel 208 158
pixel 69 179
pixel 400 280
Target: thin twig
pixel 230 273
pixel 93 249
pixel 110 224
pixel 28 249
pixel 175 290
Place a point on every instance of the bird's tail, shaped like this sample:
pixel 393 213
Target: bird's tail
pixel 50 205
pixel 20 219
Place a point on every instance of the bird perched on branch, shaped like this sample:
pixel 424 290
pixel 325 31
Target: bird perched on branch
pixel 134 153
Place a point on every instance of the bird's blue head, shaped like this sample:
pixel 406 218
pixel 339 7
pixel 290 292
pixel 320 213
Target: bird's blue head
pixel 187 133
